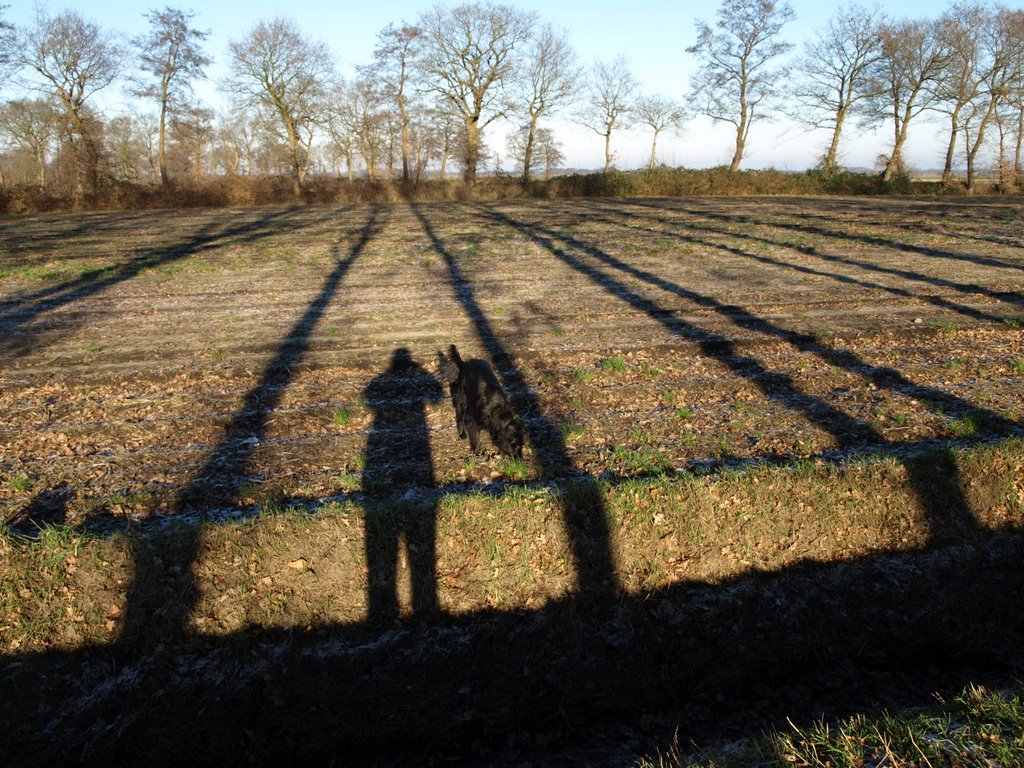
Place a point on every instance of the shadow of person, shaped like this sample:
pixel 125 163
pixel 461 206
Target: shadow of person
pixel 398 465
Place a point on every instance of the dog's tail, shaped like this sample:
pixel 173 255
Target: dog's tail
pixel 453 353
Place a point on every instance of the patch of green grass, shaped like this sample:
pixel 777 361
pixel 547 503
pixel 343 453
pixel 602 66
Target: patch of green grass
pixel 1013 322
pixel 515 469
pixel 942 325
pixel 584 375
pixel 684 412
pixel 968 425
pixel 956 362
pixel 615 364
pixel 341 416
pixel 1017 366
pixel 641 461
pixel 570 429
pixel 19 484
pixel 641 436
pixel 93 348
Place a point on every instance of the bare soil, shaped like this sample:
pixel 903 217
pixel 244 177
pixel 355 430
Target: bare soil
pixel 165 372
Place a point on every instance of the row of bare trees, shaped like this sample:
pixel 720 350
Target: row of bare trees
pixel 433 87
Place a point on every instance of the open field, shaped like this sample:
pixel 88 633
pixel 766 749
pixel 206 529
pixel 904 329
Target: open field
pixel 731 402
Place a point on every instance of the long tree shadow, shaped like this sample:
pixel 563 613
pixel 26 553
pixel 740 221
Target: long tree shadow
pixel 948 512
pixel 19 313
pixel 163 592
pixel 1009 297
pixel 804 227
pixel 585 518
pixel 398 465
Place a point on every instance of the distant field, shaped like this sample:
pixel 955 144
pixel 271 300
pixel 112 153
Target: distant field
pixel 212 366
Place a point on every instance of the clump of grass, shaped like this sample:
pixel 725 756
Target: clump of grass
pixel 341 416
pixel 1018 366
pixel 943 325
pixel 641 461
pixel 684 412
pixel 515 469
pixel 615 364
pixel 19 484
pixel 570 429
pixel 968 425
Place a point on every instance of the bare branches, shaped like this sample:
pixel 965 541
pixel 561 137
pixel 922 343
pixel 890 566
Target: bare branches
pixel 172 55
pixel 659 113
pixel 609 101
pixel 277 69
pixel 833 73
pixel 469 57
pixel 735 77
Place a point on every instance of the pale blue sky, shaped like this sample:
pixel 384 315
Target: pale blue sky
pixel 652 35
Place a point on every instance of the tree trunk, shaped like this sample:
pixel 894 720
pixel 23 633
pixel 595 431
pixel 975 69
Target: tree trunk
pixel 472 151
pixel 1020 143
pixel 740 146
pixel 954 131
pixel 528 151
pixel 162 150
pixel 829 162
pixel 654 151
pixel 894 164
pixel 972 154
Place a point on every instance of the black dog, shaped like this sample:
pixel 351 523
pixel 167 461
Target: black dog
pixel 480 401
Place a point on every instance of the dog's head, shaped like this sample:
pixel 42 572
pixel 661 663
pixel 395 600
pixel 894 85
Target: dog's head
pixel 447 368
pixel 511 437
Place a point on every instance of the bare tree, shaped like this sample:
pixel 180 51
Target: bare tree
pixel 127 148
pixel 833 73
pixel 550 82
pixel 544 149
pixel 659 113
pixel 341 127
pixel 394 56
pixel 736 76
pixel 8 45
pixel 957 85
pixel 276 69
pixel 1001 41
pixel 903 79
pixel 73 59
pixel 608 102
pixel 444 126
pixel 1015 108
pixel 32 126
pixel 171 54
pixel 469 57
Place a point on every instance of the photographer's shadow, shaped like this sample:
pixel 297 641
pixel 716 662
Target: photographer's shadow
pixel 398 469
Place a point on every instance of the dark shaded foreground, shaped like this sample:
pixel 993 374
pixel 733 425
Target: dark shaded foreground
pixel 568 684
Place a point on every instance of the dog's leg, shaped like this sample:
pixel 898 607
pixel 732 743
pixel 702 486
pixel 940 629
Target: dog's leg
pixel 474 435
